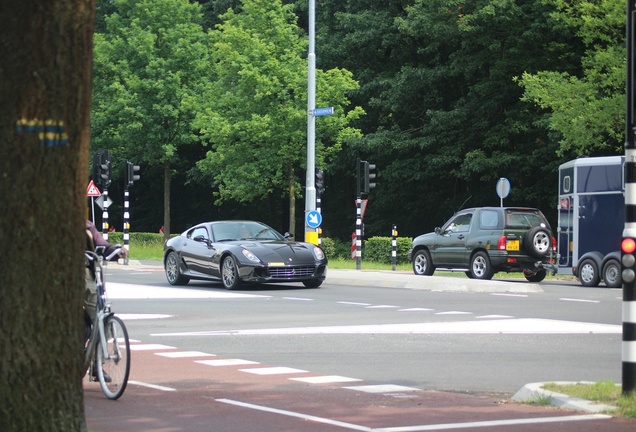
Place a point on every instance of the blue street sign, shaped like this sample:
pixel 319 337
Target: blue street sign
pixel 313 219
pixel 323 111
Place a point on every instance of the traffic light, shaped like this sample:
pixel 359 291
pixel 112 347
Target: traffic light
pixel 129 174
pixel 320 181
pixel 628 247
pixel 369 174
pixel 101 169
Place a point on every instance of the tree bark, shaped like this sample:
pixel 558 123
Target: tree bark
pixel 45 89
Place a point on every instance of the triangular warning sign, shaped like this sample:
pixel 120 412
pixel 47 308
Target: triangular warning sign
pixel 92 190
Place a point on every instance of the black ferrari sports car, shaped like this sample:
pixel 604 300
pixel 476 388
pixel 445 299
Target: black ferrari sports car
pixel 242 251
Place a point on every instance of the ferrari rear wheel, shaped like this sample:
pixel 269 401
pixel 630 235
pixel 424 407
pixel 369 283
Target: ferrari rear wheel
pixel 173 270
pixel 229 274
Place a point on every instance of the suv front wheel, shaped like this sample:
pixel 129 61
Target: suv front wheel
pixel 480 266
pixel 422 264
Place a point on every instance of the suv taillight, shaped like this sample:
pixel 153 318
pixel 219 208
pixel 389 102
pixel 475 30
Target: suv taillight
pixel 501 244
pixel 554 245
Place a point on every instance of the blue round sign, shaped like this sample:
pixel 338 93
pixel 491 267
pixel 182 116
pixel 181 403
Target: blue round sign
pixel 313 219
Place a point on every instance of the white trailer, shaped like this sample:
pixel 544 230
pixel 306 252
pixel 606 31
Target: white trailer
pixel 591 219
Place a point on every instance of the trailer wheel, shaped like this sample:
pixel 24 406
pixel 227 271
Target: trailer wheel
pixel 537 242
pixel 612 274
pixel 589 273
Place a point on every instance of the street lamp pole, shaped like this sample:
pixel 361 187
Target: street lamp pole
pixel 311 234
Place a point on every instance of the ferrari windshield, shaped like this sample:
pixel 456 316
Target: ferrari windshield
pixel 243 230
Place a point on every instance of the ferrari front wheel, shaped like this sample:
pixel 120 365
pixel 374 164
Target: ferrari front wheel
pixel 229 273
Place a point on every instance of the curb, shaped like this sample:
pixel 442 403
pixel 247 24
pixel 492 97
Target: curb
pixel 534 391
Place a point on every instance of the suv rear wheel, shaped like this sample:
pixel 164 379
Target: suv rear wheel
pixel 480 266
pixel 537 242
pixel 422 264
pixel 534 276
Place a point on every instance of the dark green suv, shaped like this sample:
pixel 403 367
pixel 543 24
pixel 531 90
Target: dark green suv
pixel 486 240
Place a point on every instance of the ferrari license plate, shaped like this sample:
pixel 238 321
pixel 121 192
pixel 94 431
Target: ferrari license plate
pixel 512 245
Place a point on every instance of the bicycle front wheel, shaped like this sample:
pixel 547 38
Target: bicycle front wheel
pixel 114 370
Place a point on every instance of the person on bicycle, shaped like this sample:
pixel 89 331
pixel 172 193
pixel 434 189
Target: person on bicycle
pixel 93 239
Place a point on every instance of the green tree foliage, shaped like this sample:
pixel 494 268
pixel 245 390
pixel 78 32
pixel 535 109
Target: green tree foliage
pixel 587 105
pixel 448 117
pixel 254 113
pixel 151 59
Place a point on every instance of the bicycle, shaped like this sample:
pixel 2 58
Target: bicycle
pixel 107 352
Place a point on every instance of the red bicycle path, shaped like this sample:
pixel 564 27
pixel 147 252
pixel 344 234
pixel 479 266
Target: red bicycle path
pixel 171 394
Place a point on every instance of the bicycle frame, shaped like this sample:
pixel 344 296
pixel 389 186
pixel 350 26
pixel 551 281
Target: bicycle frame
pixel 99 335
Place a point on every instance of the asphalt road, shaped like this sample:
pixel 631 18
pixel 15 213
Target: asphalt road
pixel 394 345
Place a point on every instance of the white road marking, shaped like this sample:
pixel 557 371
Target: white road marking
pixel 495 326
pixel 493 423
pixel 383 388
pixel 453 313
pixel 579 300
pixel 226 362
pixel 150 347
pixel 298 298
pixel 152 386
pixel 273 371
pixel 381 307
pixel 415 310
pixel 327 379
pixel 185 354
pixel 509 295
pixel 434 427
pixel 127 317
pixel 354 303
pixel 494 316
pixel 131 291
pixel 295 414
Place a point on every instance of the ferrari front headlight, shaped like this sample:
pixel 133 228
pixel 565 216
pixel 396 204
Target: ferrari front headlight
pixel 250 256
pixel 319 254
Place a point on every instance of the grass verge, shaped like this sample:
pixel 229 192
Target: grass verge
pixel 606 392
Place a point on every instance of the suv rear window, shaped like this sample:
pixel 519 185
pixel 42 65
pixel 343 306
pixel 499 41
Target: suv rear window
pixel 523 220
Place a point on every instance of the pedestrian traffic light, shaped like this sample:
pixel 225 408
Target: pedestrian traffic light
pixel 129 174
pixel 628 247
pixel 101 169
pixel 369 174
pixel 320 181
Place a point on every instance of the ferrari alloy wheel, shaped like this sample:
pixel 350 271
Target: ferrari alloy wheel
pixel 173 270
pixel 229 274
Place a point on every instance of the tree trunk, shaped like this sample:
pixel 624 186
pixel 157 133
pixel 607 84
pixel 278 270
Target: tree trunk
pixel 292 201
pixel 45 89
pixel 167 180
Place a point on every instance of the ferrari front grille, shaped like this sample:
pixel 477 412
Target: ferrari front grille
pixel 290 272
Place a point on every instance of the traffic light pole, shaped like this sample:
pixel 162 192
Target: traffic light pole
pixel 126 223
pixel 628 261
pixel 311 234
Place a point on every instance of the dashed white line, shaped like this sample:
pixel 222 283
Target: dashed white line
pixel 226 362
pixel 579 300
pixel 453 313
pixel 273 371
pixel 354 303
pixel 298 298
pixel 152 386
pixel 383 388
pixel 327 379
pixel 150 347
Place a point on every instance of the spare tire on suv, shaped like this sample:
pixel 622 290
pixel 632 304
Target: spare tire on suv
pixel 537 242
